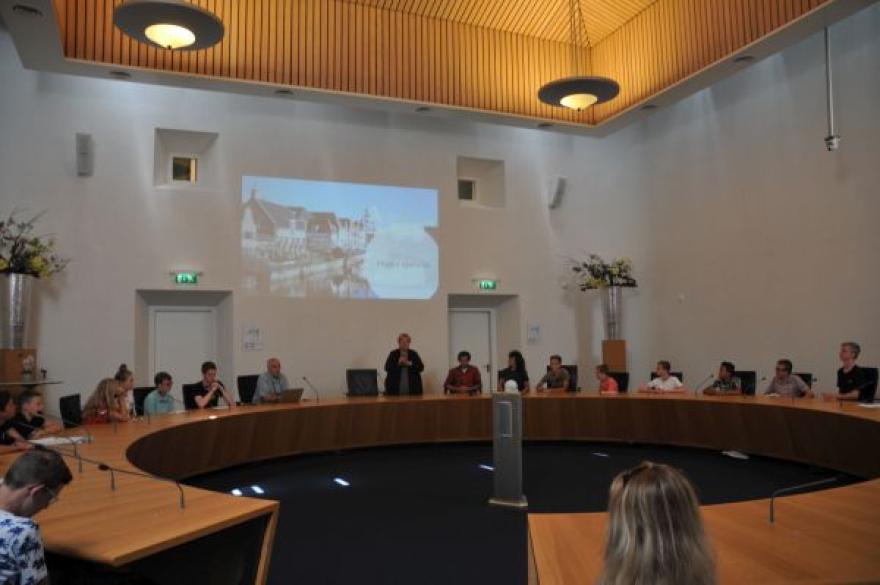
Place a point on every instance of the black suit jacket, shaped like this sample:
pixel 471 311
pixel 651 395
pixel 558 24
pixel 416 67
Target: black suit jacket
pixel 392 368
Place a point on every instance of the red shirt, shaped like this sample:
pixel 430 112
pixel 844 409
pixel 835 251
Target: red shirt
pixel 468 377
pixel 609 386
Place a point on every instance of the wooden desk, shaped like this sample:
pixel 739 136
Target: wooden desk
pixel 141 517
pixel 821 537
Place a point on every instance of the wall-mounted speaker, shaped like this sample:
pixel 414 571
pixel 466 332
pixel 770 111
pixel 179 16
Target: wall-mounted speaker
pixel 85 155
pixel 557 190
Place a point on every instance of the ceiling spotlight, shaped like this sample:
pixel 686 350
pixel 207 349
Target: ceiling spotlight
pixel 545 125
pixel 744 59
pixel 283 92
pixel 120 74
pixel 423 109
pixel 649 107
pixel 26 10
pixel 169 24
pixel 578 92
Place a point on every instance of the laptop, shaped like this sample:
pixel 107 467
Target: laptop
pixel 291 395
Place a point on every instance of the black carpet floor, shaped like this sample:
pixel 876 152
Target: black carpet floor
pixel 419 514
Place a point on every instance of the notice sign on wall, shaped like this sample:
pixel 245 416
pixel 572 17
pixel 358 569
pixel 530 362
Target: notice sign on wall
pixel 251 337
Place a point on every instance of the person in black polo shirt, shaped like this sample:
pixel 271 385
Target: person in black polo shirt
pixel 10 439
pixel 516 371
pixel 210 389
pixel 853 382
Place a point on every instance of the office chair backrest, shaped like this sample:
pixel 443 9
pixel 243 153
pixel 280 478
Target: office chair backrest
pixel 872 388
pixel 807 377
pixel 140 395
pixel 572 377
pixel 247 386
pixel 362 382
pixel 189 393
pixel 749 380
pixel 678 375
pixel 622 379
pixel 71 410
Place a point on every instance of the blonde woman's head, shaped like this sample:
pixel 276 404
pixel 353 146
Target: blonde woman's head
pixel 655 531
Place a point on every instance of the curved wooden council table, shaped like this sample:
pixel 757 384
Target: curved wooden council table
pixel 829 535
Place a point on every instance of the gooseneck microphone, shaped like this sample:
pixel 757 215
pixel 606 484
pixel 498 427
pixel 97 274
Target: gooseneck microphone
pixel 699 386
pixel 315 390
pixel 114 470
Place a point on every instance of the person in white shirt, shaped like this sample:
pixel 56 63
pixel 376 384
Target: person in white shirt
pixel 271 383
pixel 664 382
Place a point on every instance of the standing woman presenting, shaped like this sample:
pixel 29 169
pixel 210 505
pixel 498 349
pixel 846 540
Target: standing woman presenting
pixel 404 369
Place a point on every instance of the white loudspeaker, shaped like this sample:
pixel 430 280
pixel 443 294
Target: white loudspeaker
pixel 557 190
pixel 85 155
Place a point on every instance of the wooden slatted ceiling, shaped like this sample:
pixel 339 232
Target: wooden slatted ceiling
pixel 384 48
pixel 674 39
pixel 543 19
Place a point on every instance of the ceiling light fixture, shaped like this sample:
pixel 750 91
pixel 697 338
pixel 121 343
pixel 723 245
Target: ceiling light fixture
pixel 169 24
pixel 578 92
pixel 26 10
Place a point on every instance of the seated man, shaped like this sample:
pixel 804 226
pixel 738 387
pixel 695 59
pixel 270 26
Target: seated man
pixel 464 379
pixel 31 484
pixel 270 383
pixel 209 389
pixel 10 440
pixel 786 384
pixel 852 381
pixel 160 401
pixel 29 422
pixel 607 384
pixel 556 378
pixel 664 383
pixel 726 384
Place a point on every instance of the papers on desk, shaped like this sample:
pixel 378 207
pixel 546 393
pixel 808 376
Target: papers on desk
pixel 219 407
pixel 869 404
pixel 58 441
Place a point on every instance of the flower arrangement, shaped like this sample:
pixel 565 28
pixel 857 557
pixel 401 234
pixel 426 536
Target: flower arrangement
pixel 22 252
pixel 597 273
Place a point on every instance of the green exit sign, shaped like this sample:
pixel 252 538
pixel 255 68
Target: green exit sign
pixel 487 284
pixel 185 277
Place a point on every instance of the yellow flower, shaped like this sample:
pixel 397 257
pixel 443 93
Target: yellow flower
pixel 3 264
pixel 37 264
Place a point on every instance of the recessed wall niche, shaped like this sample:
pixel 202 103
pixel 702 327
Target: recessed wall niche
pixel 185 159
pixel 480 182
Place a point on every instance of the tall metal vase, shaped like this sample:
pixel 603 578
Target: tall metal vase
pixel 15 304
pixel 612 311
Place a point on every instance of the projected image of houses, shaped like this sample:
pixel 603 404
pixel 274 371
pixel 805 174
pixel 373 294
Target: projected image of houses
pixel 324 239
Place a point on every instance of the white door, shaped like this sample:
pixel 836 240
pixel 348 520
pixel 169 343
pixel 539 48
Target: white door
pixel 181 338
pixel 472 330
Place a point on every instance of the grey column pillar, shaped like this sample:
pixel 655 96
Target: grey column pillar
pixel 507 449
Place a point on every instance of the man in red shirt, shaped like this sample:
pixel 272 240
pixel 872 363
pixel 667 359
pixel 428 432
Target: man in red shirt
pixel 464 378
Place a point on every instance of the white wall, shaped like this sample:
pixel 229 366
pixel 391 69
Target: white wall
pixel 727 198
pixel 123 234
pixel 761 244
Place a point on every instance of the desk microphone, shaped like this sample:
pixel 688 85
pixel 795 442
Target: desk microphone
pixel 703 382
pixel 315 390
pixel 114 470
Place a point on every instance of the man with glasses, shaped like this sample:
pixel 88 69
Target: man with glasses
pixel 31 484
pixel 784 383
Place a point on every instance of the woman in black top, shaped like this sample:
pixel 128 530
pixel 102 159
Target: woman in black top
pixel 404 369
pixel 516 371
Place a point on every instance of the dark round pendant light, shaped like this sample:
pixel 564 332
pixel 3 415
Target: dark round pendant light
pixel 169 24
pixel 578 92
